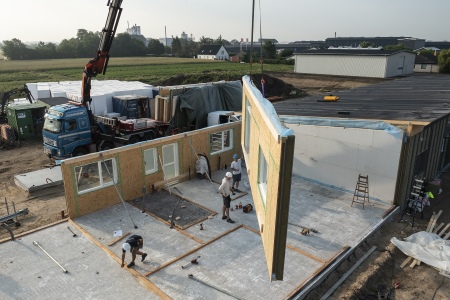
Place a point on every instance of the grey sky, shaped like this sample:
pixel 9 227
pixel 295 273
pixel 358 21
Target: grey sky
pixel 287 21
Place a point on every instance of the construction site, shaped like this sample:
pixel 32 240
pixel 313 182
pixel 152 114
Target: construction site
pixel 121 190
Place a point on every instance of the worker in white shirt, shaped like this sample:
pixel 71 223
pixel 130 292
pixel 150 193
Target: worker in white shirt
pixel 225 190
pixel 237 169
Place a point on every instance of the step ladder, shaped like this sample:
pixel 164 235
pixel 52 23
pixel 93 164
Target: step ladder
pixel 414 204
pixel 361 190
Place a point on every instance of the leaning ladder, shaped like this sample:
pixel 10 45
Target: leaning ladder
pixel 361 190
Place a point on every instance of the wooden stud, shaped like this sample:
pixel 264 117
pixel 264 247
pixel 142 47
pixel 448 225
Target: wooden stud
pixel 118 239
pixel 34 230
pixel 444 230
pixel 439 227
pixel 148 284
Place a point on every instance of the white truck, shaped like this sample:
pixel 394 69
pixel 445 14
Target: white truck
pixel 222 117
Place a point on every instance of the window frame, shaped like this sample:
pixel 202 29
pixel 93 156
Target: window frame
pixel 223 147
pixel 102 184
pixel 263 175
pixel 155 161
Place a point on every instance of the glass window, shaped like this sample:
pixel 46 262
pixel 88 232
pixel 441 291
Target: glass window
pixel 95 175
pixel 170 160
pixel 221 141
pixel 150 161
pixel 248 116
pixel 423 66
pixel 263 173
pixel 52 125
pixel 71 125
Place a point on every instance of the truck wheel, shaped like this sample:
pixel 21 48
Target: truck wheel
pixel 79 152
pixel 149 136
pixel 134 139
pixel 106 146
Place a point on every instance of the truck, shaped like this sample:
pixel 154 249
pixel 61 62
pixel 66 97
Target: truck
pixel 71 129
pixel 222 117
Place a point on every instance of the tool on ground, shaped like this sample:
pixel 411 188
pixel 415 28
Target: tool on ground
pixel 247 208
pixel 38 245
pixel 305 230
pixel 192 262
pixel 74 234
pixel 212 286
pixel 117 190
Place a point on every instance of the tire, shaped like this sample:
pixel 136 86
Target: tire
pixel 79 152
pixel 134 139
pixel 106 146
pixel 148 136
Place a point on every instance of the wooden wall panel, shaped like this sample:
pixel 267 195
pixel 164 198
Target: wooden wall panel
pixel 278 152
pixel 131 171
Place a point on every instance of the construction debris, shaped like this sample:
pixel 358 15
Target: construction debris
pixel 192 262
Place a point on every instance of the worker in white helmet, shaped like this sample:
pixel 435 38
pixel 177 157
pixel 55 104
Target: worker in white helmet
pixel 225 190
pixel 133 244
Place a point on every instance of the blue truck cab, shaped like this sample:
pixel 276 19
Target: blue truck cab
pixel 67 131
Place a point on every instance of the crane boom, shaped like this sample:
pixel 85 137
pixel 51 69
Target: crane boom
pixel 100 62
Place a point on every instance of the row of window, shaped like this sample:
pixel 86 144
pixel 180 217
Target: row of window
pixel 100 174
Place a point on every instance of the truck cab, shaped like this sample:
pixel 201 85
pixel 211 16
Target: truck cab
pixel 67 131
pixel 222 117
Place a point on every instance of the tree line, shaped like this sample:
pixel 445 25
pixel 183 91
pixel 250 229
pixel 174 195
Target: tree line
pixel 85 45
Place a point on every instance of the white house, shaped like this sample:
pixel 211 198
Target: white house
pixel 358 62
pixel 426 64
pixel 214 52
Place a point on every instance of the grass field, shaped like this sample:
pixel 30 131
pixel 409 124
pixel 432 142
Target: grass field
pixel 152 70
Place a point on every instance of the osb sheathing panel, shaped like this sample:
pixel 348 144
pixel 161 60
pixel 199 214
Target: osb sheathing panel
pixel 131 170
pixel 272 220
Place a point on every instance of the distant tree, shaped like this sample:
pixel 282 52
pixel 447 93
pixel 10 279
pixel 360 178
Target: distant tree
pixel 206 41
pixel 167 50
pixel 15 50
pixel 176 47
pixel 124 45
pixel 425 52
pixel 270 51
pixel 189 49
pixel 397 47
pixel 87 43
pixel 218 41
pixel 365 44
pixel 444 61
pixel 286 53
pixel 68 48
pixel 234 42
pixel 45 51
pixel 155 47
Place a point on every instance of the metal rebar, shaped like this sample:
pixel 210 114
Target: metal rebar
pixel 37 244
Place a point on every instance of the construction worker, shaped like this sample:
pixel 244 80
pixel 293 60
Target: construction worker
pixel 225 190
pixel 133 243
pixel 237 169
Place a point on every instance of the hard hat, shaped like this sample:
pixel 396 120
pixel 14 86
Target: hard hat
pixel 126 246
pixel 228 174
pixel 235 156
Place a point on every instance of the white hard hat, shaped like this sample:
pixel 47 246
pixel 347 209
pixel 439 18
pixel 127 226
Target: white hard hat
pixel 126 246
pixel 228 174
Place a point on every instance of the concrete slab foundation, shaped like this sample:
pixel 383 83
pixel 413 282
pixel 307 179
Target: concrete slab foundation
pixel 231 255
pixel 40 182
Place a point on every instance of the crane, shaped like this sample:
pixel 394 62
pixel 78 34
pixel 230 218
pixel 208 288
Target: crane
pixel 100 62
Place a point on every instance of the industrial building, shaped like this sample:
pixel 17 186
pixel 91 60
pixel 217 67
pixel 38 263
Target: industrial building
pixel 355 62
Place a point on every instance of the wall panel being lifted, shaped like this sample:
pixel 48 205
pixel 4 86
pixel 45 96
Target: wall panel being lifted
pixel 268 149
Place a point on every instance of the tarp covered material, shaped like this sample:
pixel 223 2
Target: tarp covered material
pixel 428 248
pixel 374 125
pixel 193 106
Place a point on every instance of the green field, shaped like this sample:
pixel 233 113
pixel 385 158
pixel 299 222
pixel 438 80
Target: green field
pixel 151 70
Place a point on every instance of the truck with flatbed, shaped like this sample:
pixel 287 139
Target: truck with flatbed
pixel 72 129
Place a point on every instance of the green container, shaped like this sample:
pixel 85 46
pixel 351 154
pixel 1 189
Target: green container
pixel 27 120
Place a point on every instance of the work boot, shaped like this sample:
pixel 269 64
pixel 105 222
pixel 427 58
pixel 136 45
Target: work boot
pixel 130 264
pixel 224 217
pixel 230 221
pixel 143 256
pixel 237 190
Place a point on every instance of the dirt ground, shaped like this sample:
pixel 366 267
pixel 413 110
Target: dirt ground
pixel 380 271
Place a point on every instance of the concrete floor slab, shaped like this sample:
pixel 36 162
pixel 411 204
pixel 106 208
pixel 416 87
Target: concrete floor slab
pixel 40 179
pixel 26 272
pixel 232 255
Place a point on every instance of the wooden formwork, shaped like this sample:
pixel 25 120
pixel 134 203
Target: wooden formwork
pixel 131 176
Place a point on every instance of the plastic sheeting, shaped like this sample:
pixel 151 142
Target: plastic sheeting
pixel 194 105
pixel 268 108
pixel 428 248
pixel 374 125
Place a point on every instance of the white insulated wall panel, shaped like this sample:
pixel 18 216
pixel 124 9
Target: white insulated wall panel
pixel 336 156
pixel 343 65
pixel 397 60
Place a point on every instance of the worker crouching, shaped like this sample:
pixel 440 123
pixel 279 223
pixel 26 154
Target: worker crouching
pixel 133 243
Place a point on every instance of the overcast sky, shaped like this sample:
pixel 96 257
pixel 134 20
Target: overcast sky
pixel 284 20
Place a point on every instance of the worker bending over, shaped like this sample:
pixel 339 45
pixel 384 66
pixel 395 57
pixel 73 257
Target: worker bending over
pixel 133 243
